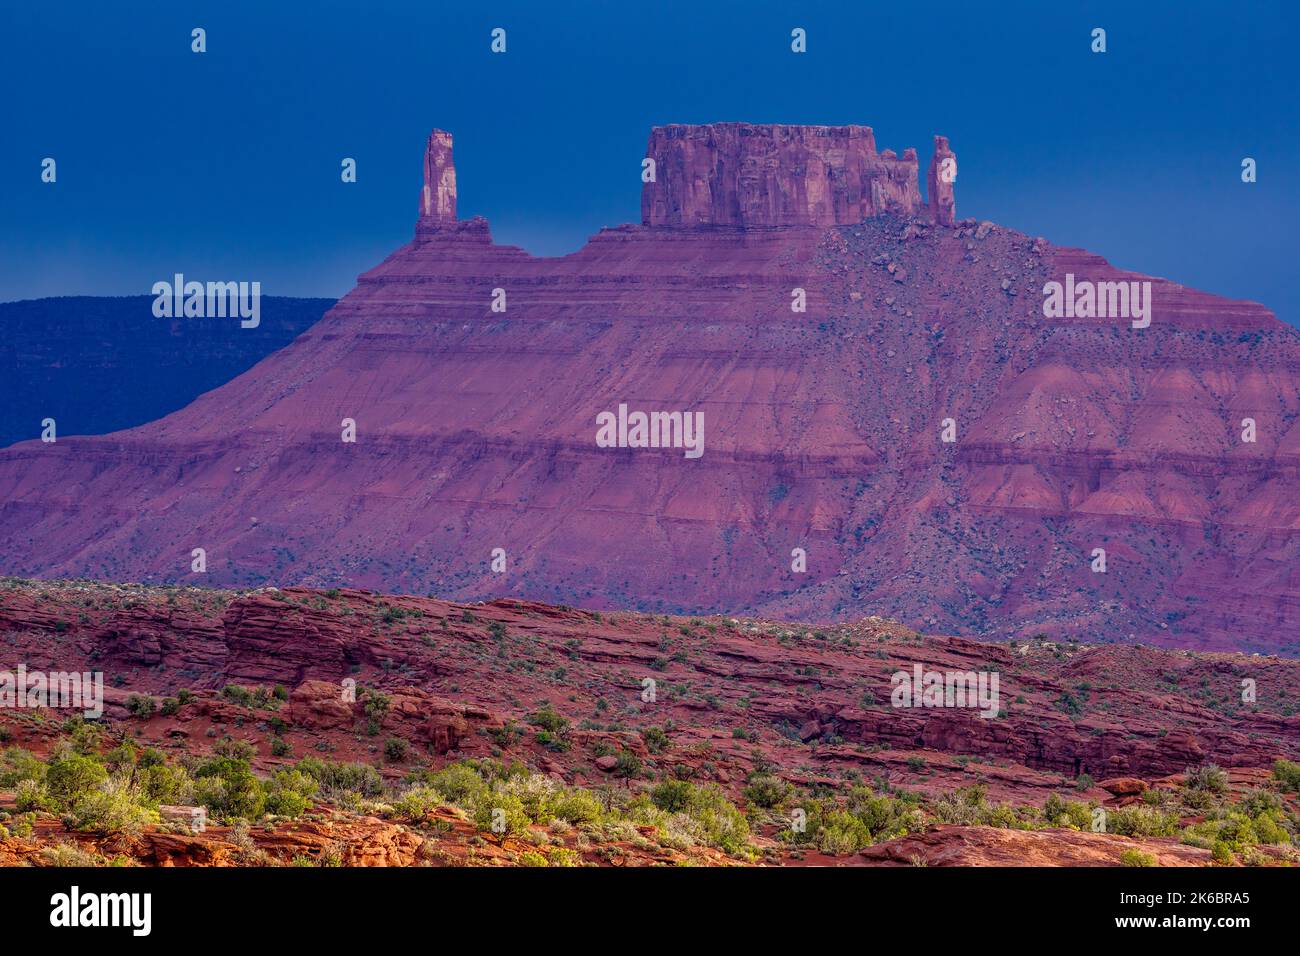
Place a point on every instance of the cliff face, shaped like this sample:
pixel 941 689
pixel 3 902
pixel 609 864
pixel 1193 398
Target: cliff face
pixel 740 174
pixel 824 430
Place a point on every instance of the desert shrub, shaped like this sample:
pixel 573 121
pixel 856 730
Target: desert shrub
pixel 289 793
pixel 1252 856
pixel 140 705
pixel 1208 778
pixel 1238 830
pixel 235 749
pixel 31 796
pixel 396 749
pixel 886 817
pixel 1287 774
pixel 501 813
pixel 966 810
pixel 1199 835
pixel 21 826
pixel 1156 797
pixel 83 736
pixel 376 705
pixel 1269 830
pixel 506 735
pixel 547 719
pixel 532 858
pixel 966 806
pixel 1072 814
pixel 67 855
pixel 705 814
pixel 766 791
pixel 280 747
pixel 577 806
pixel 1070 704
pixel 627 764
pixel 536 793
pixel 656 740
pixel 122 758
pixel 672 796
pixel 841 833
pixel 338 779
pixel 415 802
pixel 552 741
pixel 553 732
pixel 17 765
pixel 170 706
pixel 1136 858
pixel 70 776
pixel 1260 801
pixel 239 695
pixel 227 787
pixel 116 807
pixel 562 856
pixel 459 782
pixel 1006 817
pixel 1141 820
pixel 162 783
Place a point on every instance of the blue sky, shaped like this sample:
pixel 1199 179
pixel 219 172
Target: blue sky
pixel 226 164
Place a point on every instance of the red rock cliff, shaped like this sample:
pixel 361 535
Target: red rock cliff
pixel 743 174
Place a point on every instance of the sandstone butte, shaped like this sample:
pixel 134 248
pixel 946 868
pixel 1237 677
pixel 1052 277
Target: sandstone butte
pixel 476 429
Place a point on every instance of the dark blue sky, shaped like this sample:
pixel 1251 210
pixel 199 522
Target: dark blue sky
pixel 226 164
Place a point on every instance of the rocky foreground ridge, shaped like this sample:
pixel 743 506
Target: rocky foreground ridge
pixel 772 716
pixel 824 429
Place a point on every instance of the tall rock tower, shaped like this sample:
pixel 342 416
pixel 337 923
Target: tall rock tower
pixel 939 183
pixel 438 197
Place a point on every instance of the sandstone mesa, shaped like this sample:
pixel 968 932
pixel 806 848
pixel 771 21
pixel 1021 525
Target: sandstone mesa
pixel 475 427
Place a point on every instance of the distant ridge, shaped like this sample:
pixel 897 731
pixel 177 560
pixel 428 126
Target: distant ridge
pixel 97 364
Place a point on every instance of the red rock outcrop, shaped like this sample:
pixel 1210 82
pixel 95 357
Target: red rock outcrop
pixel 320 705
pixel 989 846
pixel 940 183
pixel 336 840
pixel 1124 786
pixel 438 195
pixel 750 175
pixel 458 675
pixel 476 428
